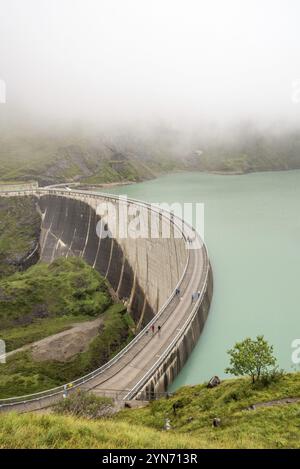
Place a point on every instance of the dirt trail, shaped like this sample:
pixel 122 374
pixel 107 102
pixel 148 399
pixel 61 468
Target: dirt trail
pixel 285 400
pixel 64 345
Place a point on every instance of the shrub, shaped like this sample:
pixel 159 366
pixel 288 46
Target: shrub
pixel 83 404
pixel 271 376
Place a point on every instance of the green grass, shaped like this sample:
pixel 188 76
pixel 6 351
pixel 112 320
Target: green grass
pixel 45 300
pixel 191 427
pixel 269 427
pixel 22 375
pixel 16 337
pixel 65 288
pixel 51 431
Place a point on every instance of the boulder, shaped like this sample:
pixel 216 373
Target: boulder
pixel 213 382
pixel 216 422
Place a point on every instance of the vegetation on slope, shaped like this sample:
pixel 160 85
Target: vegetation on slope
pixel 31 301
pixel 57 159
pixel 23 375
pixel 19 232
pixel 138 156
pixel 85 404
pixel 196 406
pixel 53 431
pixel 45 300
pixel 274 426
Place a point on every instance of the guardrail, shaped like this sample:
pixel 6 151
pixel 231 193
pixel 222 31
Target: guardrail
pixel 146 378
pixel 25 399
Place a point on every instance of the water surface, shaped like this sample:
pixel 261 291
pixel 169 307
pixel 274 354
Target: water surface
pixel 252 230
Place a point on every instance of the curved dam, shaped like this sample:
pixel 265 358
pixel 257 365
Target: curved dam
pixel 144 271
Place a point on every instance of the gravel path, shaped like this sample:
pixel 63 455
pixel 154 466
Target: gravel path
pixel 63 345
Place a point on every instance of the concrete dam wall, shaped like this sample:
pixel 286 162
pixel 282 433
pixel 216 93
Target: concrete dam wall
pixel 159 379
pixel 143 272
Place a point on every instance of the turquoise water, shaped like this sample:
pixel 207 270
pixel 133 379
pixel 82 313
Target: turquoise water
pixel 252 230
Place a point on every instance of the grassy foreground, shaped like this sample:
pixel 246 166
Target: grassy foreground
pixel 275 426
pixel 52 431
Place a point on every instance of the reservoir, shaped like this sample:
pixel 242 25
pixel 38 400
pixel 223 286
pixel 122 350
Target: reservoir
pixel 252 231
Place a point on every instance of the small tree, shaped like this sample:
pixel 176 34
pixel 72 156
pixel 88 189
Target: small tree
pixel 251 357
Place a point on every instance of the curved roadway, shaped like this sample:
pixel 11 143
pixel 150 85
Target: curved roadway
pixel 125 375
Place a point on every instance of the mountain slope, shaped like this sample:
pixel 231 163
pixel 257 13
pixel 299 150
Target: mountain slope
pixel 275 425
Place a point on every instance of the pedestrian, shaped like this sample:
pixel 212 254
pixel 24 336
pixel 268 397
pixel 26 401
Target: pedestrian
pixel 152 328
pixel 177 292
pixel 167 426
pixel 199 293
pixel 193 297
pixel 65 393
pixel 159 329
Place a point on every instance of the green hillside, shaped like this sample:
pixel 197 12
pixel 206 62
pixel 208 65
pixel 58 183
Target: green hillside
pixel 69 157
pixel 66 286
pixel 272 426
pixel 51 160
pixel 48 299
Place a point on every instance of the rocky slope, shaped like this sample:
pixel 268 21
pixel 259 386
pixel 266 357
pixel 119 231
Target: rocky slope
pixel 19 234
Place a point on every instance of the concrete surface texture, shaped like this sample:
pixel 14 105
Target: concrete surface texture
pixel 143 272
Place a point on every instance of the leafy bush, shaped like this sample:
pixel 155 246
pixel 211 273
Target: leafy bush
pixel 271 376
pixel 83 404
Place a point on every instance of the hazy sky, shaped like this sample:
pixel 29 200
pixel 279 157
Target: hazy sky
pixel 124 60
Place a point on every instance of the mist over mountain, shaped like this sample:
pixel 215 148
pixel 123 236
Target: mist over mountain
pixel 102 91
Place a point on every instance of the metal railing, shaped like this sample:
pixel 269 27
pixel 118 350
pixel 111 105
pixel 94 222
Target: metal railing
pixel 150 373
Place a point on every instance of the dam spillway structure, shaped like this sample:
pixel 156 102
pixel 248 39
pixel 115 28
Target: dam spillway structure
pixel 144 272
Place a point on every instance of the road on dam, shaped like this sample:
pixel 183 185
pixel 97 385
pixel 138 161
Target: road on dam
pixel 127 376
pixel 135 364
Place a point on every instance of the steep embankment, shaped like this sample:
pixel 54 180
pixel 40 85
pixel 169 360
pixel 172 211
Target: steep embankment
pixel 19 234
pixel 191 424
pixel 46 296
pixel 42 302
